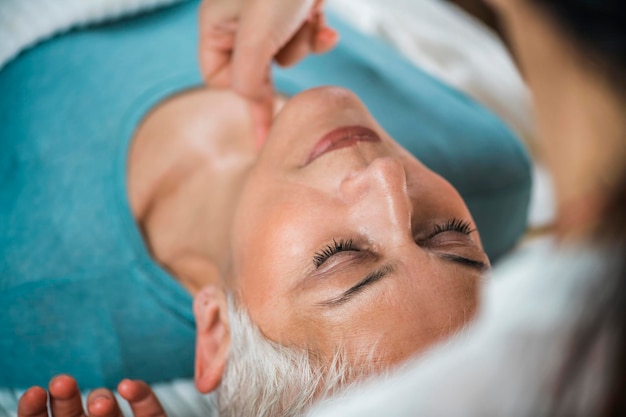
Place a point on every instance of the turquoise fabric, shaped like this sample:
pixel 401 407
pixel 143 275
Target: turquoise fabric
pixel 79 291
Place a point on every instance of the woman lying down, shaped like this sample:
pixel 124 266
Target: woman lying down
pixel 346 253
pixel 329 254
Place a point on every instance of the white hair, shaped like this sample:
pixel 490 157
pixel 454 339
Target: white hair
pixel 266 379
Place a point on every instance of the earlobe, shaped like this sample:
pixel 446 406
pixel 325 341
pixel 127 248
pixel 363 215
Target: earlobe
pixel 212 337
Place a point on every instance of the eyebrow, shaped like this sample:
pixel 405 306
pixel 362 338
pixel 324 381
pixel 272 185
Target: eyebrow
pixel 369 279
pixel 471 263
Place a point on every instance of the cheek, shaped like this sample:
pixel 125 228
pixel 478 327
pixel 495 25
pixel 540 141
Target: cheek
pixel 273 254
pixel 443 199
pixel 432 196
pixel 260 266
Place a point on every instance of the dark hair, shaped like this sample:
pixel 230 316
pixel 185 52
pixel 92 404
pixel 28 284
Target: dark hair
pixel 598 28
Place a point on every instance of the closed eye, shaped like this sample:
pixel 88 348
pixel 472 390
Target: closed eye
pixel 369 279
pixel 438 239
pixel 334 248
pixel 452 225
pixel 471 263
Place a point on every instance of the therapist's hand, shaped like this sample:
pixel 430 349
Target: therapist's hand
pixel 65 400
pixel 239 39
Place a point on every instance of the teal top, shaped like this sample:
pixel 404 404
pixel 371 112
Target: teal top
pixel 80 293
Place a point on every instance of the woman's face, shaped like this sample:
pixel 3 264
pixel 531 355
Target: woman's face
pixel 342 239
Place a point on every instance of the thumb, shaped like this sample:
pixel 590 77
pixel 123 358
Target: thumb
pixel 264 28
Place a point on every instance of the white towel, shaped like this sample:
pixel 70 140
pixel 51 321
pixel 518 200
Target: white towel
pixel 24 23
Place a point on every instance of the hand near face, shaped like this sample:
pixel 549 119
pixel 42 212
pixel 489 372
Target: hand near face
pixel 240 38
pixel 65 400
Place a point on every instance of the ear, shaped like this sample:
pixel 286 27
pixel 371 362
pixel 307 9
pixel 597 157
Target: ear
pixel 212 337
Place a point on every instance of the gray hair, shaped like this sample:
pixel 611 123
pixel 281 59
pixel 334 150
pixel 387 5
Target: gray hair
pixel 266 379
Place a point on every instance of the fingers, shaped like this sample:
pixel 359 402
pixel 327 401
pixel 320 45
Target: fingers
pixel 239 39
pixel 217 26
pixel 322 38
pixel 33 403
pixel 313 37
pixel 326 38
pixel 102 403
pixel 263 31
pixel 65 400
pixel 141 398
pixel 299 46
pixel 216 45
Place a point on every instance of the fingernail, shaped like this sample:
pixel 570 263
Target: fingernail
pixel 99 404
pixel 326 35
pixel 100 398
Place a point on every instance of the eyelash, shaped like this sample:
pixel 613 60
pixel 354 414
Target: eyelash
pixel 452 225
pixel 343 245
pixel 337 246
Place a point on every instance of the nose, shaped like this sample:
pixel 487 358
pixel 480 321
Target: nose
pixel 378 200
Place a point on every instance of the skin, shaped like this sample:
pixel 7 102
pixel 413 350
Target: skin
pixel 375 194
pixel 372 192
pixel 65 400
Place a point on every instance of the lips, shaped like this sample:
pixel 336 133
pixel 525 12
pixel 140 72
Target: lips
pixel 342 137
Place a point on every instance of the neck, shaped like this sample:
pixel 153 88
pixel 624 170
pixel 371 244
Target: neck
pixel 188 163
